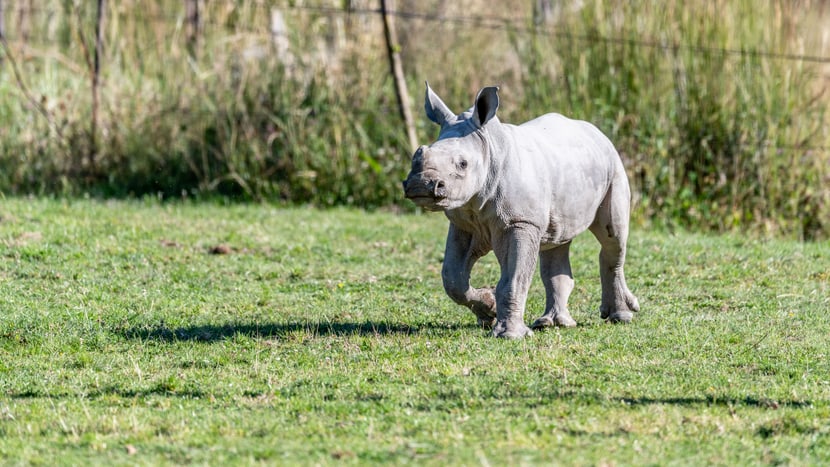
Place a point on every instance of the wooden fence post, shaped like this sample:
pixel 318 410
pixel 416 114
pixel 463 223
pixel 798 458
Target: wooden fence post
pixel 392 49
pixel 279 35
pixel 542 12
pixel 96 78
pixel 24 13
pixel 194 25
pixel 2 20
pixel 2 29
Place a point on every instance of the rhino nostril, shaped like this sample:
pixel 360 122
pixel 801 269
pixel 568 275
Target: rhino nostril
pixel 440 189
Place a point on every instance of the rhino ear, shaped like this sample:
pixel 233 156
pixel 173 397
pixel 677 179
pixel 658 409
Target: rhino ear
pixel 436 109
pixel 487 102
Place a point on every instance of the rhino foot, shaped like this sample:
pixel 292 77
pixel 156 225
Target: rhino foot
pixel 619 316
pixel 487 323
pixel 561 320
pixel 485 308
pixel 511 332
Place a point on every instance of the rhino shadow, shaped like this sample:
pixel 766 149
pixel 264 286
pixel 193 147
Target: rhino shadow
pixel 218 332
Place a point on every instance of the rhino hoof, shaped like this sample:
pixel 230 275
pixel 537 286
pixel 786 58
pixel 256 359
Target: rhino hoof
pixel 542 323
pixel 517 332
pixel 563 321
pixel 620 317
pixel 487 323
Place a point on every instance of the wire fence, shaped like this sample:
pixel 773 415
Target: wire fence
pixel 523 26
pixel 510 24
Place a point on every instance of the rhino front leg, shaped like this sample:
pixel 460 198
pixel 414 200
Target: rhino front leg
pixel 516 250
pixel 555 267
pixel 462 252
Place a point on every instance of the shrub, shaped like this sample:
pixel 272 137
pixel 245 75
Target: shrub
pixel 714 135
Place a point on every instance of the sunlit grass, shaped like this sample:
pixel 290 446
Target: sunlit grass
pixel 315 336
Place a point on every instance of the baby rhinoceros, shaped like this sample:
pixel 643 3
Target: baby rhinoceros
pixel 523 191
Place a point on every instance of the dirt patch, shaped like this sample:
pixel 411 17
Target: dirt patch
pixel 26 238
pixel 221 249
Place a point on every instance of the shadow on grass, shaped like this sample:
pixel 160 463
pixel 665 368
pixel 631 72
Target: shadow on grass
pixel 591 398
pixel 179 389
pixel 748 401
pixel 213 333
pixel 160 389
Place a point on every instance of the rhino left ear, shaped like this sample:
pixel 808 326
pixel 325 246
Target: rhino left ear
pixel 487 102
pixel 436 109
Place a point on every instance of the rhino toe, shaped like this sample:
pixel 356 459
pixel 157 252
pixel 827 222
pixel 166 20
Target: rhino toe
pixel 632 302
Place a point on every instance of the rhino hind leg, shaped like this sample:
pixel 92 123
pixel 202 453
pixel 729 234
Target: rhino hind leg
pixel 611 230
pixel 555 268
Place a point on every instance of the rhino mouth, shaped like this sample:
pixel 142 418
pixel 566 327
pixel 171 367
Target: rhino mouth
pixel 427 202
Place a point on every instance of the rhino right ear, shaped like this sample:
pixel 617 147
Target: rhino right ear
pixel 487 102
pixel 436 109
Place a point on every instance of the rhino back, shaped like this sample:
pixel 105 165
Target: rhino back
pixel 561 170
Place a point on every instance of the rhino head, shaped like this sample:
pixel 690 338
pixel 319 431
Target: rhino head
pixel 452 170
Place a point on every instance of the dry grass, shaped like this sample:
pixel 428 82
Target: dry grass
pixel 712 139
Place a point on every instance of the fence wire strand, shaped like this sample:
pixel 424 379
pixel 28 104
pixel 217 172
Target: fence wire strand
pixel 489 22
pixel 499 23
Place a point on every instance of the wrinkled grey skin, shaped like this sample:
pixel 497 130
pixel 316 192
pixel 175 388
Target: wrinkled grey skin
pixel 523 192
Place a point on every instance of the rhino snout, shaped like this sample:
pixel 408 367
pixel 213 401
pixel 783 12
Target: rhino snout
pixel 417 187
pixel 439 190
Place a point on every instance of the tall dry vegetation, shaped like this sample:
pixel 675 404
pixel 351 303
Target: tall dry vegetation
pixel 714 135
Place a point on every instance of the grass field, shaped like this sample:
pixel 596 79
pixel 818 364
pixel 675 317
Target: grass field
pixel 139 333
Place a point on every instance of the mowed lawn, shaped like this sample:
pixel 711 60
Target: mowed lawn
pixel 140 333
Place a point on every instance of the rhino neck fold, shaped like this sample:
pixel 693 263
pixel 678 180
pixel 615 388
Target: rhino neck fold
pixel 497 148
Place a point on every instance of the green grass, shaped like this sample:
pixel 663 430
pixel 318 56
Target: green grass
pixel 325 337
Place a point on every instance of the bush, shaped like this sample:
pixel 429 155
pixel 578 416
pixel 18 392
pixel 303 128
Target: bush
pixel 714 136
